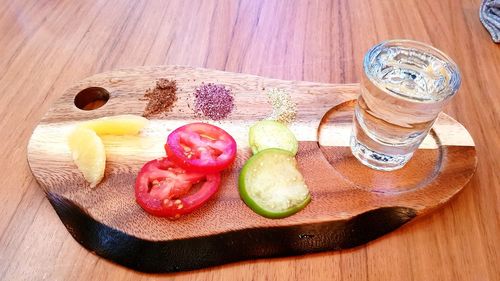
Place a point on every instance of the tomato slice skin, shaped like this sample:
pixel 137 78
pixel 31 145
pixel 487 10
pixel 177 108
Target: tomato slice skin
pixel 201 147
pixel 162 188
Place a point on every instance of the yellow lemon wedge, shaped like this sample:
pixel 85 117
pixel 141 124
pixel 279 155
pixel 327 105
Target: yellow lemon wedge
pixel 87 147
pixel 117 125
pixel 88 154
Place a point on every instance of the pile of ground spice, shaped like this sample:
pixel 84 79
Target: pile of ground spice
pixel 284 109
pixel 214 101
pixel 161 98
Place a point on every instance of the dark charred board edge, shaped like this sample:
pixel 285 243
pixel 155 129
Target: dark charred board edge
pixel 200 252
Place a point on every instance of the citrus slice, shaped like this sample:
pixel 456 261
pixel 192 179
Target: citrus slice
pixel 88 154
pixel 271 134
pixel 271 184
pixel 117 125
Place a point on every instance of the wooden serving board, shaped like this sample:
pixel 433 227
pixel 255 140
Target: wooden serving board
pixel 351 204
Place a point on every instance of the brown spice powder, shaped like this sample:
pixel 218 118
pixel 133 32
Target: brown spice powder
pixel 161 98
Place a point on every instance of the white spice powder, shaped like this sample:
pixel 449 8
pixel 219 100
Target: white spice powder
pixel 284 109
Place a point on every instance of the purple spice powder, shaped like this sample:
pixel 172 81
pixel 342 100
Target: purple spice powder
pixel 214 101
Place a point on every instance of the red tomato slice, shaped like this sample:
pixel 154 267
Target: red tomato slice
pixel 201 147
pixel 162 188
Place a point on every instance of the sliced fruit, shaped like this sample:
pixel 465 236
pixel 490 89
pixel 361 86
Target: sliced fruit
pixel 271 184
pixel 272 134
pixel 164 189
pixel 117 125
pixel 201 147
pixel 88 154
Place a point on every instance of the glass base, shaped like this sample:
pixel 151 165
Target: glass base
pixel 377 160
pixel 334 138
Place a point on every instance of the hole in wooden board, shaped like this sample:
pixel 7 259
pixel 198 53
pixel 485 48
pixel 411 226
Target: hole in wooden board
pixel 91 98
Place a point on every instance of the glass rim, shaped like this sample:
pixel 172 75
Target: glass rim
pixel 455 79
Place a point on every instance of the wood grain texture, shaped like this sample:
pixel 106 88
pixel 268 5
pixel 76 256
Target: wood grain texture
pixel 48 45
pixel 340 208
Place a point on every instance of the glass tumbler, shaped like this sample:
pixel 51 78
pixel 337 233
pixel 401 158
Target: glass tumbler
pixel 405 85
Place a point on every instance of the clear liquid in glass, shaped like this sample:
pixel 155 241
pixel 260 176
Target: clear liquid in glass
pixel 403 90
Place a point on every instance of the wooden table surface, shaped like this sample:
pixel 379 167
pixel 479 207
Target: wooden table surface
pixel 45 46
